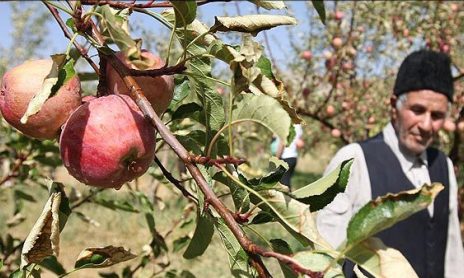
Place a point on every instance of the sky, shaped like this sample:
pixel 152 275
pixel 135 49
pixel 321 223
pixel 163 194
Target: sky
pixel 56 42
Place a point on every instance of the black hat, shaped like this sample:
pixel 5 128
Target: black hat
pixel 425 69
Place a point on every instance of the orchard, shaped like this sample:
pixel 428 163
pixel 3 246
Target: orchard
pixel 148 146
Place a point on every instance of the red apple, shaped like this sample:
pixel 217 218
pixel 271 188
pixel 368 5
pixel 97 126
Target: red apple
pixel 158 90
pixel 339 15
pixel 371 120
pixel 461 126
pixel 454 7
pixel 336 133
pixel 449 125
pixel 406 32
pixel 330 110
pixel 21 83
pixel 107 142
pixel 307 55
pixel 337 42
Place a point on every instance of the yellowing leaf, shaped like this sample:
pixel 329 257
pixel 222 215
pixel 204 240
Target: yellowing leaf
pixel 44 238
pixel 46 90
pixel 99 257
pixel 269 5
pixel 379 260
pixel 251 23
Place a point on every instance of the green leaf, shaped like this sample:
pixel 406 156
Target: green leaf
pixel 102 257
pixel 181 91
pixel 158 244
pixel 201 237
pixel 240 196
pixel 322 192
pixel 19 194
pixel 185 11
pixel 379 260
pixel 1 264
pixel 319 6
pixel 61 71
pixel 114 26
pixel 263 217
pixel 18 274
pixel 238 258
pixel 199 74
pixel 277 169
pixel 282 247
pixel 269 5
pixel 318 262
pixel 189 110
pixel 115 204
pixel 180 243
pixel 251 23
pixel 294 216
pixel 52 264
pixel 385 211
pixel 264 110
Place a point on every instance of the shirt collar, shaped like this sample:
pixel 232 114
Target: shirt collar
pixel 406 160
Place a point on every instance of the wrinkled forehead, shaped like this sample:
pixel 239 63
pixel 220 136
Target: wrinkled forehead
pixel 428 99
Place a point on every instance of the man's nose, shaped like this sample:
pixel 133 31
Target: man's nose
pixel 426 122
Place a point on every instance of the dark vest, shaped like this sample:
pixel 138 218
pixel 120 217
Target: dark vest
pixel 420 238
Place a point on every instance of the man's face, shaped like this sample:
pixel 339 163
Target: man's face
pixel 419 119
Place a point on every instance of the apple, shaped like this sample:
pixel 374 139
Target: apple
pixel 461 126
pixel 158 90
pixel 307 55
pixel 336 133
pixel 337 42
pixel 330 110
pixel 339 15
pixel 449 125
pixel 454 7
pixel 21 83
pixel 371 120
pixel 107 142
pixel 406 32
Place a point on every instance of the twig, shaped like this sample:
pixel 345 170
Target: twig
pixel 13 173
pixel 149 4
pixel 324 122
pixel 205 160
pixel 86 198
pixel 68 35
pixel 174 181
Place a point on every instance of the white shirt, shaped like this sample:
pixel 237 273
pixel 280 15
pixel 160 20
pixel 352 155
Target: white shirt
pixel 332 221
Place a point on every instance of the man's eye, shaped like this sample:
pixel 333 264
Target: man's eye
pixel 417 110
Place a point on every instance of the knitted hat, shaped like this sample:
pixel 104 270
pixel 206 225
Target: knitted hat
pixel 425 69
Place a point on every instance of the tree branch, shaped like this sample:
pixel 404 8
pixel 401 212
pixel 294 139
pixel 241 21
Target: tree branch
pixel 68 35
pixel 174 181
